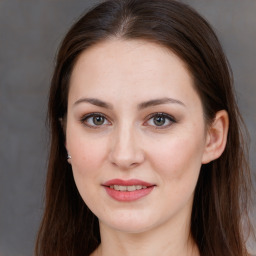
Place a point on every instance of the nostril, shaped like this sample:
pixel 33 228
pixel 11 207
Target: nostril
pixel 125 152
pixel 124 165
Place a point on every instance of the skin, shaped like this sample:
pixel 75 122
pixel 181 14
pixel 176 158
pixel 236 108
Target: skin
pixel 129 145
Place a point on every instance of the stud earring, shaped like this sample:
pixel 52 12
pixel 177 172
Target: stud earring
pixel 68 156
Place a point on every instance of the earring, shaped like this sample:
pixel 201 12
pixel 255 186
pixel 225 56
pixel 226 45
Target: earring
pixel 68 156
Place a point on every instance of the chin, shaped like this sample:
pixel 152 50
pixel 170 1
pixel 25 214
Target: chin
pixel 129 223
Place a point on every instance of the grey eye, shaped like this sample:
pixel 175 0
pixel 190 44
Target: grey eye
pixel 95 120
pixel 98 120
pixel 159 120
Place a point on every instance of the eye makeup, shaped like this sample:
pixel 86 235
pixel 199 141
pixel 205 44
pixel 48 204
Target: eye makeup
pixel 158 120
pixel 95 120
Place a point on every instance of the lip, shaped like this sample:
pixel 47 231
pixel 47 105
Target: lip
pixel 127 182
pixel 128 196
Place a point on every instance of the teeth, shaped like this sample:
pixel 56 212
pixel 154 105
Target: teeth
pixel 122 188
pixel 127 188
pixel 131 188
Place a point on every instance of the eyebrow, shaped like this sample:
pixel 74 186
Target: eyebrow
pixel 141 106
pixel 95 102
pixel 160 101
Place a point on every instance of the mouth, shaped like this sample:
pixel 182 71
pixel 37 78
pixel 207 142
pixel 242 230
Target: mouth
pixel 128 190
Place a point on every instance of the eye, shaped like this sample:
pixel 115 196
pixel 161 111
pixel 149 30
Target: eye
pixel 95 120
pixel 160 120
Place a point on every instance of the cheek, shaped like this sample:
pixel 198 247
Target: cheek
pixel 179 159
pixel 87 153
pixel 178 166
pixel 87 157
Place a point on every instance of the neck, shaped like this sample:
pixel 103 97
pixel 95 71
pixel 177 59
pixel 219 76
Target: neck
pixel 165 240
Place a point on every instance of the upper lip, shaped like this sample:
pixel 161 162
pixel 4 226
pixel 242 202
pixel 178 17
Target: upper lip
pixel 129 182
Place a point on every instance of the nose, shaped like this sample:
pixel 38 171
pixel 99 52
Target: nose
pixel 126 151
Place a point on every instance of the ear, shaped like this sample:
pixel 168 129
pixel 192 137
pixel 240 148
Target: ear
pixel 68 155
pixel 63 125
pixel 216 137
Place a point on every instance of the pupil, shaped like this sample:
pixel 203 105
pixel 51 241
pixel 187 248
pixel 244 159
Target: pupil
pixel 98 120
pixel 159 120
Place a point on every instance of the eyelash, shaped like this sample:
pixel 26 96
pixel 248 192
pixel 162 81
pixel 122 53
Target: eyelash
pixel 84 120
pixel 171 119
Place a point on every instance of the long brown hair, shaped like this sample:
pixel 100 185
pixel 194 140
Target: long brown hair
pixel 68 227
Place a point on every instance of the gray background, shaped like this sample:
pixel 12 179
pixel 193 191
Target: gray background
pixel 30 32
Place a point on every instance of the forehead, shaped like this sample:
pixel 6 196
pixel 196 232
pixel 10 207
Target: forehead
pixel 131 67
pixel 120 53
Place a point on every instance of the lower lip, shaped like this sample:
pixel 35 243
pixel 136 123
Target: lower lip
pixel 128 196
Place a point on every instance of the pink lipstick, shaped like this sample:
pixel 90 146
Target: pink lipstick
pixel 127 190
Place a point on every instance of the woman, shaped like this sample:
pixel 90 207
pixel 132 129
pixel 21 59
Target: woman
pixel 147 156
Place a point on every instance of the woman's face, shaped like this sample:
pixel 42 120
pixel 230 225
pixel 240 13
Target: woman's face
pixel 136 135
